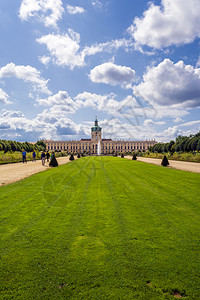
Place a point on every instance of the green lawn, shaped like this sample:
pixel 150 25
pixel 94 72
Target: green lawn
pixel 101 228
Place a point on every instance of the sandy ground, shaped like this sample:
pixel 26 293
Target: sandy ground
pixel 175 164
pixel 14 172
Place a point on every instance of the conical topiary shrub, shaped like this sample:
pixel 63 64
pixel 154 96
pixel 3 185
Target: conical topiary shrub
pixel 78 156
pixel 165 162
pixel 134 156
pixel 53 161
pixel 122 155
pixel 71 157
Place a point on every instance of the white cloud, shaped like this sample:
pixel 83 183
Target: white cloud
pixel 198 62
pixel 191 123
pixel 103 102
pixel 109 46
pixel 11 114
pixel 61 103
pixel 178 120
pixel 45 60
pixel 97 3
pixel 171 84
pixel 148 122
pixel 64 48
pixel 110 73
pixel 128 107
pixel 115 128
pixel 26 73
pixel 4 97
pixel 174 22
pixel 47 11
pixel 47 124
pixel 169 134
pixel 73 10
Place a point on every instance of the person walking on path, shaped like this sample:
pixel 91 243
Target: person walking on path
pixel 43 155
pixel 47 156
pixel 24 156
pixel 34 156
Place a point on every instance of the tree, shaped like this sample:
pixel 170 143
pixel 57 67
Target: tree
pixel 42 144
pixel 169 146
pixel 198 146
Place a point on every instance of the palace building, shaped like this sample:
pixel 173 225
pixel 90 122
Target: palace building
pixel 97 145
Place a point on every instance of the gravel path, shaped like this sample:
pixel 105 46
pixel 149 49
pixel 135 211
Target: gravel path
pixel 175 164
pixel 10 173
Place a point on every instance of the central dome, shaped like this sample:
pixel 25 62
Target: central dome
pixel 96 127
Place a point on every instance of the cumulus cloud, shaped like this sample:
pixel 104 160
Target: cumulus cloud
pixel 4 97
pixel 11 114
pixel 148 122
pixel 64 49
pixel 118 129
pixel 47 11
pixel 60 103
pixel 169 134
pixel 178 120
pixel 97 3
pixel 109 47
pixel 171 84
pixel 110 73
pixel 73 10
pixel 174 22
pixel 126 108
pixel 14 124
pixel 44 59
pixel 26 73
pixel 191 123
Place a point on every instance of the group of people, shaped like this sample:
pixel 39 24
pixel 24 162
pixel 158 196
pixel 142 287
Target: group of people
pixel 44 157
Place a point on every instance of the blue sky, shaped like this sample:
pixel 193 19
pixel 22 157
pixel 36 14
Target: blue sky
pixel 134 64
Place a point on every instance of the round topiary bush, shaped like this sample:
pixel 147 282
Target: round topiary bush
pixel 165 162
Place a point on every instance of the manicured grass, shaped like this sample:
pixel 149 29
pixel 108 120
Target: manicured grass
pixel 101 228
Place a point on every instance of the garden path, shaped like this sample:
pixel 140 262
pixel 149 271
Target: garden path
pixel 10 173
pixel 175 164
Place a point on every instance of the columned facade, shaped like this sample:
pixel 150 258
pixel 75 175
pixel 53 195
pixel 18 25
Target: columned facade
pixel 90 146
